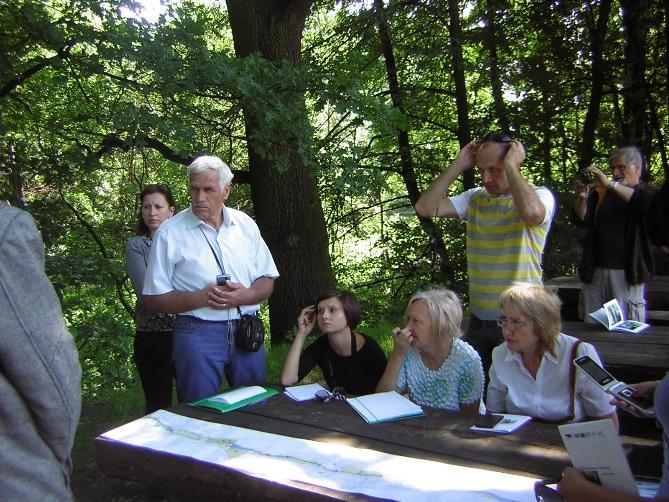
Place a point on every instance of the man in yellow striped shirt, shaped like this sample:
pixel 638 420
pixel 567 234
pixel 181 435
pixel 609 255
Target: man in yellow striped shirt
pixel 507 221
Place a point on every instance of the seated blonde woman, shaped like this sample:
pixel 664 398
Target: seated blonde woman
pixel 531 371
pixel 429 361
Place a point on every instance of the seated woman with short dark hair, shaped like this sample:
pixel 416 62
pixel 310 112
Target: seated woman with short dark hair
pixel 347 359
pixel 531 371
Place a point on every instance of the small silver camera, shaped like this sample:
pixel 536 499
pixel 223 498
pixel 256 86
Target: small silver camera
pixel 222 279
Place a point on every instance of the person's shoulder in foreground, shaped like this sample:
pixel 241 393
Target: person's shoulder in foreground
pixel 40 392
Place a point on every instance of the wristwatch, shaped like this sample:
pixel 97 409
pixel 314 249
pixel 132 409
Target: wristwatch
pixel 615 184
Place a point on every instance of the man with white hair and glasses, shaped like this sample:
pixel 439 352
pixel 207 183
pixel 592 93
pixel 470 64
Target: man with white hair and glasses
pixel 209 264
pixel 617 259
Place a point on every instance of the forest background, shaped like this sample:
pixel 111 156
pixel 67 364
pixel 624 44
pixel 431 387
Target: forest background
pixel 333 115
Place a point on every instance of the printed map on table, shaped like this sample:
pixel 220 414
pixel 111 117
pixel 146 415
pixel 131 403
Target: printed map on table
pixel 338 467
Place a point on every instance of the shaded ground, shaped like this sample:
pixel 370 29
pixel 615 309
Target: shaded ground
pixel 88 483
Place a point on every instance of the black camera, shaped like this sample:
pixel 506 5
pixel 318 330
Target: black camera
pixel 222 279
pixel 585 176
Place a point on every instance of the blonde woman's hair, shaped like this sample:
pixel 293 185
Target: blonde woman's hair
pixel 540 304
pixel 444 309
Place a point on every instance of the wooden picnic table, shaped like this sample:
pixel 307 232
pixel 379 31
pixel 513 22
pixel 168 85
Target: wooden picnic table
pixel 535 449
pixel 648 349
pixel 656 293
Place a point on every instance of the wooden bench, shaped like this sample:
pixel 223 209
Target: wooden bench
pixel 657 297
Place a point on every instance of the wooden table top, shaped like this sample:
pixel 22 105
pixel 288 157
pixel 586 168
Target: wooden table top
pixel 650 348
pixel 535 449
pixel 659 283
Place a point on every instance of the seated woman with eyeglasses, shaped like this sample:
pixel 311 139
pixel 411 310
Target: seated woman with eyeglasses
pixel 532 371
pixel 429 361
pixel 349 360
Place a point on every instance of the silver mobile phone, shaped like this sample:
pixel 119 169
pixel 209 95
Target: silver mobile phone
pixel 620 390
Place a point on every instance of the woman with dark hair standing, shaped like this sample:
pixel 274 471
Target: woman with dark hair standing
pixel 348 359
pixel 153 338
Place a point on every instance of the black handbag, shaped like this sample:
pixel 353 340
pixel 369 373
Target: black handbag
pixel 250 334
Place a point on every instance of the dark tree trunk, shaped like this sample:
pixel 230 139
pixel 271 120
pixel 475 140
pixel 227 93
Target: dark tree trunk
pixel 490 38
pixel 455 37
pixel 635 125
pixel 547 139
pixel 597 31
pixel 287 204
pixel 657 128
pixel 407 166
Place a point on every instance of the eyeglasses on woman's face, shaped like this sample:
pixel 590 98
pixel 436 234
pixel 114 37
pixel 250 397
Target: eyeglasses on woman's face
pixel 512 323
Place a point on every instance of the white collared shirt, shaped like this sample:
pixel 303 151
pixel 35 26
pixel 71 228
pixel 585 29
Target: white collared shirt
pixel 513 390
pixel 181 259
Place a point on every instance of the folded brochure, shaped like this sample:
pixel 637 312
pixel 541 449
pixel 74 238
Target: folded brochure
pixel 384 406
pixel 303 392
pixel 611 316
pixel 507 425
pixel 236 398
pixel 595 449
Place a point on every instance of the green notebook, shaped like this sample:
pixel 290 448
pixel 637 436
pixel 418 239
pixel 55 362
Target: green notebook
pixel 234 399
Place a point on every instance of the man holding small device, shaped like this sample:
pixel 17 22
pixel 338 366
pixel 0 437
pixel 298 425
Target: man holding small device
pixel 627 394
pixel 617 258
pixel 574 486
pixel 208 264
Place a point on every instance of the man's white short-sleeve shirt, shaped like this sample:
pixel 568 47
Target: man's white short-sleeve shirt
pixel 181 259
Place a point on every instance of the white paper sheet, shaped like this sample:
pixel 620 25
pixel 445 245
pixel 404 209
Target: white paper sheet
pixel 595 448
pixel 303 392
pixel 338 467
pixel 234 396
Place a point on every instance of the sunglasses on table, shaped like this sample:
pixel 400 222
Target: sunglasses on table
pixel 337 394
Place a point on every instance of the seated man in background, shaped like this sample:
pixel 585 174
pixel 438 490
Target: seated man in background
pixel 40 375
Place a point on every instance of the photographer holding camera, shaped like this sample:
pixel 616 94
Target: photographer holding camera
pixel 617 258
pixel 210 265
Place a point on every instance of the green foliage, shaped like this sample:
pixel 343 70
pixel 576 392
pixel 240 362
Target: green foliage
pixel 94 105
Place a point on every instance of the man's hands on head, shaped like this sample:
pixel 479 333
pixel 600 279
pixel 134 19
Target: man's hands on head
pixel 515 155
pixel 466 158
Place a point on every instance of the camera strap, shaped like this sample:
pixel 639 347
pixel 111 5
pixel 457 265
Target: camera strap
pixel 219 262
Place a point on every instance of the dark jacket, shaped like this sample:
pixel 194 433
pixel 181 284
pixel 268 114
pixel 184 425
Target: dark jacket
pixel 658 219
pixel 639 264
